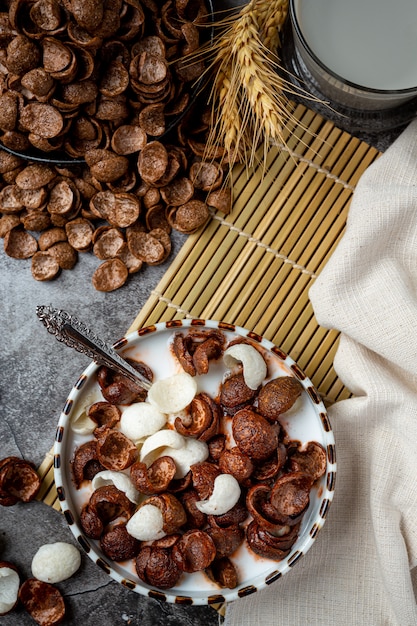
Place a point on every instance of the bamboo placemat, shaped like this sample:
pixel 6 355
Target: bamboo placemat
pixel 255 266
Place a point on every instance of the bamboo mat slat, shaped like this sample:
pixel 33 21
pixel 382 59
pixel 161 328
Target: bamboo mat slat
pixel 254 267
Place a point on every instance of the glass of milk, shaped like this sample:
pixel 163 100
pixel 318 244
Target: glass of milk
pixel 361 54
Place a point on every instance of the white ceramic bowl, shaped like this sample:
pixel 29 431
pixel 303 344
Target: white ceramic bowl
pixel 307 421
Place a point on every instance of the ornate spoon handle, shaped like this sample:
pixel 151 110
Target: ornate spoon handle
pixel 75 334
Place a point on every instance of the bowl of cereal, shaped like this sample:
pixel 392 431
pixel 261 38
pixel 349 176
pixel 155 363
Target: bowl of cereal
pixel 209 486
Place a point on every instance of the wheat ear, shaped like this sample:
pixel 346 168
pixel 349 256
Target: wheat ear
pixel 249 105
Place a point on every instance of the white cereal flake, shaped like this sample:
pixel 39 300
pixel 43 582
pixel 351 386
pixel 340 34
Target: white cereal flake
pixel 9 588
pixel 81 424
pixel 253 363
pixel 226 493
pixel 146 524
pixel 140 420
pixel 162 439
pixel 193 451
pixel 174 393
pixel 54 562
pixel 120 480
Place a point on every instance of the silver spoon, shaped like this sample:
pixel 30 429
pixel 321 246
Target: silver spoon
pixel 74 334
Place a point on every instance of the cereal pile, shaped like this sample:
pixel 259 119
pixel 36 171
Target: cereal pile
pixel 181 490
pixel 110 85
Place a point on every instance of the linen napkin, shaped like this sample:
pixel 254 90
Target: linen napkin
pixel 362 569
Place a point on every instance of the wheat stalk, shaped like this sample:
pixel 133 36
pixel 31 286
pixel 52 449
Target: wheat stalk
pixel 248 95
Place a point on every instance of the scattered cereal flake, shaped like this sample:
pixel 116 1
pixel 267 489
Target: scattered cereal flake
pixel 226 493
pixel 64 254
pixel 253 363
pixel 79 232
pixel 146 524
pixel 54 562
pixel 188 217
pixel 19 244
pixel 220 199
pixel 146 248
pixel 141 419
pixel 44 266
pixel 110 275
pixel 108 243
pixel 121 481
pixel 43 601
pixel 174 393
pixel 9 587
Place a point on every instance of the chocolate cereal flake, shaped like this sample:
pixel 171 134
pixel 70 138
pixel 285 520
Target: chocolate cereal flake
pixel 110 275
pixel 146 247
pixel 42 601
pixel 42 119
pixel 20 244
pixel 44 266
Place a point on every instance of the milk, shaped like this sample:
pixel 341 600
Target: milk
pixel 372 43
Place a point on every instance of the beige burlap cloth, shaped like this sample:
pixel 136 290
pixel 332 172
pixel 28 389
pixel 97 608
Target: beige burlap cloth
pixel 362 570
